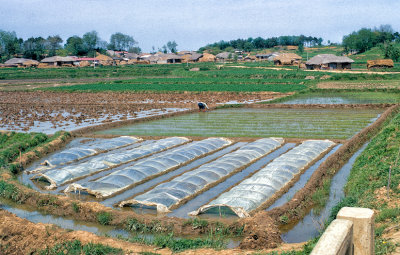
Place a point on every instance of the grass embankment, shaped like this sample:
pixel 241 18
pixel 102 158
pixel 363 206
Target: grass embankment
pixel 76 247
pixel 369 177
pixel 13 145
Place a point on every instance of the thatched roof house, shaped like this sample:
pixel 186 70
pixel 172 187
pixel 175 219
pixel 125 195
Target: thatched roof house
pixel 380 63
pixel 264 56
pixel 329 61
pixel 169 59
pixel 224 56
pixel 207 57
pixel 250 58
pixel 20 62
pixel 59 61
pixel 195 57
pixel 287 59
pixel 132 56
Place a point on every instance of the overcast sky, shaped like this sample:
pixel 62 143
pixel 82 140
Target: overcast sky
pixel 195 23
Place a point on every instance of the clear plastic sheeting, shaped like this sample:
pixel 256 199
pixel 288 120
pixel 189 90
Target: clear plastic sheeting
pixel 86 150
pixel 59 176
pixel 257 189
pixel 168 194
pixel 124 178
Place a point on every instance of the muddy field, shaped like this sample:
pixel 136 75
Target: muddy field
pixel 47 112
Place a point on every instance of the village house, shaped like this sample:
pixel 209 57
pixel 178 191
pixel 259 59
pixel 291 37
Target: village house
pixel 195 57
pixel 263 57
pixel 169 59
pixel 329 62
pixel 224 56
pixel 59 61
pixel 287 59
pixel 20 62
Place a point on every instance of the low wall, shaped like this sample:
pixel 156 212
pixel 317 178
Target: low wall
pixel 351 233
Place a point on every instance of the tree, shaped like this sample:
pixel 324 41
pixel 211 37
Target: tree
pixel 75 46
pixel 301 48
pixel 390 50
pixel 120 41
pixel 362 40
pixel 163 49
pixel 9 44
pixel 34 48
pixel 248 46
pixel 172 46
pixel 53 44
pixel 91 41
pixel 136 50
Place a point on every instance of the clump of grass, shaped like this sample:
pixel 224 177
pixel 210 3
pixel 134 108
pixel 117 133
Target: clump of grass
pixel 76 207
pixel 9 191
pixel 104 218
pixel 388 214
pixel 196 223
pixel 181 244
pixel 284 219
pixel 320 196
pixel 154 226
pixel 47 201
pixel 76 247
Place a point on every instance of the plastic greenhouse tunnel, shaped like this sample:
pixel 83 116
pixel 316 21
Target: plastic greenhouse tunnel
pixel 86 150
pixel 254 191
pixel 168 194
pixel 59 176
pixel 151 167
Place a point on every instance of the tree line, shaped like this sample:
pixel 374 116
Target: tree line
pixel 38 47
pixel 364 39
pixel 260 43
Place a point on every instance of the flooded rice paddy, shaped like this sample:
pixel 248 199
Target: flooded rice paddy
pixel 249 122
pixel 344 98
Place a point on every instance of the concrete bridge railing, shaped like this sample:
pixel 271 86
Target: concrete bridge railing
pixel 351 233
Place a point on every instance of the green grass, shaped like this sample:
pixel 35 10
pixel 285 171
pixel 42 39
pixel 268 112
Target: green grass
pixel 87 72
pixel 226 79
pixel 9 191
pixel 12 144
pixel 181 244
pixel 164 85
pixel 77 248
pixel 370 172
pixel 248 122
pixel 104 218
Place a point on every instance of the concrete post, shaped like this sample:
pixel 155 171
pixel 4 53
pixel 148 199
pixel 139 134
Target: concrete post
pixel 363 228
pixel 336 240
